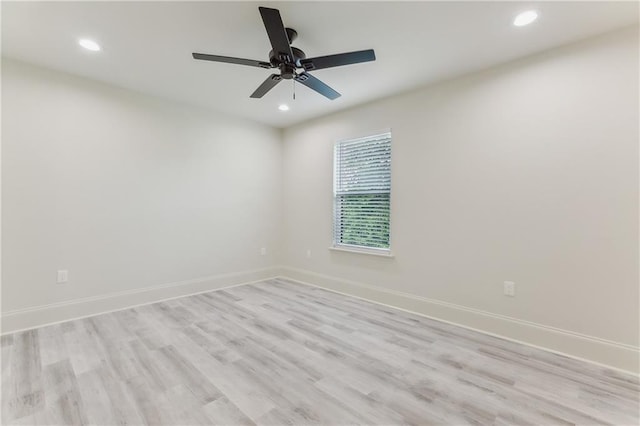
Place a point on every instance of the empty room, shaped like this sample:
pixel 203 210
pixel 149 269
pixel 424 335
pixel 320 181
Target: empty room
pixel 327 213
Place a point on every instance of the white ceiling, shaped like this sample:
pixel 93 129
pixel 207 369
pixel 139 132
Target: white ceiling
pixel 147 45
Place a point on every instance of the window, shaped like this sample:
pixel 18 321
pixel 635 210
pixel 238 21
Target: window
pixel 362 193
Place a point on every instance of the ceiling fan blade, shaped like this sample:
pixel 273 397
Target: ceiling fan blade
pixel 313 83
pixel 266 85
pixel 230 60
pixel 277 34
pixel 340 59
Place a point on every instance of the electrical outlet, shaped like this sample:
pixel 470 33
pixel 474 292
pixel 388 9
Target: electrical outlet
pixel 63 276
pixel 308 253
pixel 509 288
pixel 263 251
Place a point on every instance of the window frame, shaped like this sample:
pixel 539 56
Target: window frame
pixel 353 248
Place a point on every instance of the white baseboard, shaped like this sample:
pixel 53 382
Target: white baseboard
pixel 37 316
pixel 611 354
pixel 592 349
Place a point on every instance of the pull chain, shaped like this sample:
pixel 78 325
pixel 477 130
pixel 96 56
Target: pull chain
pixel 294 90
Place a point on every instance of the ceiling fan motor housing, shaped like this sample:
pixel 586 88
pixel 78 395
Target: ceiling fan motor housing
pixel 283 61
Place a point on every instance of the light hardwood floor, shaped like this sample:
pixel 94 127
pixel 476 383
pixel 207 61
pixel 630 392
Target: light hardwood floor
pixel 282 353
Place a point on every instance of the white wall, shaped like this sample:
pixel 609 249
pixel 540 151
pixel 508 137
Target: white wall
pixel 526 172
pixel 127 192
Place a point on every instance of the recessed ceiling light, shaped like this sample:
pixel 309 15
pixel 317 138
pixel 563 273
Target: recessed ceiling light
pixel 89 44
pixel 525 18
pixel 284 107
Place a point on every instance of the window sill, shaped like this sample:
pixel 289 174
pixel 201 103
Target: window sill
pixel 357 250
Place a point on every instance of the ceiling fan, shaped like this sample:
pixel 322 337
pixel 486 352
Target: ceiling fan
pixel 291 61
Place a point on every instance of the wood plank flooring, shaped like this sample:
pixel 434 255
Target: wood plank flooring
pixel 280 353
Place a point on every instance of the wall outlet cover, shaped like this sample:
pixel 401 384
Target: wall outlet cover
pixel 63 276
pixel 509 288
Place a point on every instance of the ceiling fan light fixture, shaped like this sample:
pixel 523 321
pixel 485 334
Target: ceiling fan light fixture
pixel 525 18
pixel 283 107
pixel 89 44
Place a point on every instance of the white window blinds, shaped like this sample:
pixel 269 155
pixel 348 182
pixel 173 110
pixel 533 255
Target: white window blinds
pixel 362 192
